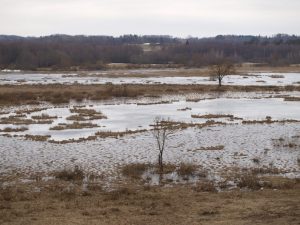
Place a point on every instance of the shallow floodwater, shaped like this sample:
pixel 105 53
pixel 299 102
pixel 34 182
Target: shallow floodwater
pixel 122 117
pixel 259 79
pixel 241 145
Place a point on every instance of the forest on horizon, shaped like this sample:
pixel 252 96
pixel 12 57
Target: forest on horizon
pixel 65 52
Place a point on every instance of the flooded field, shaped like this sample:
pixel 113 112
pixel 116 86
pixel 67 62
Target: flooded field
pixel 251 126
pixel 77 139
pixel 215 130
pixel 57 122
pixel 242 144
pixel 257 79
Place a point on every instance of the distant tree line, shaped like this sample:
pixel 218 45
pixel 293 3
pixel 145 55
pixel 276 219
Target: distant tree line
pixel 94 52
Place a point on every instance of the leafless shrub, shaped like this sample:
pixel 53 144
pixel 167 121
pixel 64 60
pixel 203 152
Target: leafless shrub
pixel 249 180
pixel 134 170
pixel 161 131
pixel 167 168
pixel 70 175
pixel 256 160
pixel 187 169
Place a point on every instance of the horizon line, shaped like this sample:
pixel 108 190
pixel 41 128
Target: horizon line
pixel 141 35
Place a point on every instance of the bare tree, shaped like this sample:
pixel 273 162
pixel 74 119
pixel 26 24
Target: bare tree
pixel 222 69
pixel 162 129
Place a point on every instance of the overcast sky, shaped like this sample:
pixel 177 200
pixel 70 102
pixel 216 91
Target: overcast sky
pixel 174 17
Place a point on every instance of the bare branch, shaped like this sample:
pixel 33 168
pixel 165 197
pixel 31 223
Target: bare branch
pixel 222 69
pixel 161 131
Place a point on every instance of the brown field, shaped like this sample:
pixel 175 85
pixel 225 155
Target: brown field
pixel 59 202
pixel 117 70
pixel 250 67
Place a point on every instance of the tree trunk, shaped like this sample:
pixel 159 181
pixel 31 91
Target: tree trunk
pixel 220 82
pixel 160 162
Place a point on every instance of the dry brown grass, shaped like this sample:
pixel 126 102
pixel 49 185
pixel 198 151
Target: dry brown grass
pixel 90 138
pixel 212 148
pixel 249 180
pixel 199 204
pixel 167 168
pixel 9 129
pixel 248 68
pixel 182 125
pixel 280 183
pixel 44 117
pixel 155 103
pixel 277 76
pixel 187 169
pixel 85 114
pixel 105 134
pixel 205 186
pixel 135 170
pixel 57 93
pixel 28 111
pixel 22 121
pixel 74 125
pixel 184 109
pixel 70 175
pixel 37 137
pixel 268 120
pixel 255 179
pixel 216 116
pixel 291 98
